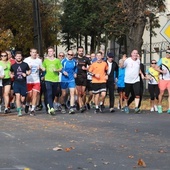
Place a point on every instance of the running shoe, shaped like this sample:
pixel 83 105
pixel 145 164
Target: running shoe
pixel 126 109
pixel 156 108
pixel 19 113
pixel 112 110
pixel 101 108
pixel 71 111
pixel 83 109
pixel 32 113
pixel 6 110
pixel 52 111
pixel 159 109
pixel 96 110
pixel 152 109
pixel 26 108
pixel 137 110
pixel 168 111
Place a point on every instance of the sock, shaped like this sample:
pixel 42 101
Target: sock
pixel 33 108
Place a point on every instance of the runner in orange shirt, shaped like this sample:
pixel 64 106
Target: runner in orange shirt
pixel 98 70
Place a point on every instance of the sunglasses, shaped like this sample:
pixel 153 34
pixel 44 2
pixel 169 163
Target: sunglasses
pixel 70 54
pixel 168 52
pixel 3 55
pixel 153 63
pixel 61 55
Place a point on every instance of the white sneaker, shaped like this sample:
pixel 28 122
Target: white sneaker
pixel 152 109
pixel 156 108
pixel 118 106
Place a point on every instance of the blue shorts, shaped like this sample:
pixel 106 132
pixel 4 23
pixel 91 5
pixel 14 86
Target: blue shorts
pixel 65 85
pixel 20 87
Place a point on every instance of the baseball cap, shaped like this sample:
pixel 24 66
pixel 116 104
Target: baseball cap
pixel 110 55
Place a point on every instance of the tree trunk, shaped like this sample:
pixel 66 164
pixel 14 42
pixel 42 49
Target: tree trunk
pixel 134 37
pixel 92 46
pixel 86 44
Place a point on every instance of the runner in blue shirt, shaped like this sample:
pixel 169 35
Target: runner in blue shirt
pixel 69 73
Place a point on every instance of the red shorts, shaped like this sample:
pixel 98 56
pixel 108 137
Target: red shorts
pixel 33 86
pixel 164 84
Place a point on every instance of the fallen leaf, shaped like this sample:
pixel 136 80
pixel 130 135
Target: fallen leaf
pixel 131 156
pixel 136 130
pixel 106 163
pixel 57 149
pixel 162 151
pixel 69 149
pixel 141 163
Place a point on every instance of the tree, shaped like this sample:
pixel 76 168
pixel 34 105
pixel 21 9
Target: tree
pixel 128 18
pixel 18 20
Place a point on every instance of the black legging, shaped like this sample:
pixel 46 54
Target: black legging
pixel 153 91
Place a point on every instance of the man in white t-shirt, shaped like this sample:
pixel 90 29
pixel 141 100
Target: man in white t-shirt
pixel 132 79
pixel 33 80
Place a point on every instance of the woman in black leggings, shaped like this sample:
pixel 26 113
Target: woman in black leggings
pixel 152 75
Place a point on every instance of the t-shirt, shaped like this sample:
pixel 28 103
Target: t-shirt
pixel 99 68
pixel 121 76
pixel 1 74
pixel 50 66
pixel 34 65
pixel 70 67
pixel 164 64
pixel 82 61
pixel 132 69
pixel 18 69
pixel 6 66
pixel 154 74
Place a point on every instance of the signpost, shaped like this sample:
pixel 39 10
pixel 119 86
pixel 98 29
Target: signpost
pixel 165 32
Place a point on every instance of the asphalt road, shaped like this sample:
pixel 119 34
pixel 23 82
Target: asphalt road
pixel 85 141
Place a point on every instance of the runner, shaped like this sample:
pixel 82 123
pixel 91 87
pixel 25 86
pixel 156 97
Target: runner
pixel 81 80
pixel 98 71
pixel 33 81
pixel 19 71
pixel 52 67
pixel 6 81
pixel 69 73
pixel 163 66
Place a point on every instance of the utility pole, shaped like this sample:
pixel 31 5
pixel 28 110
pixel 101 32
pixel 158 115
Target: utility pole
pixel 37 27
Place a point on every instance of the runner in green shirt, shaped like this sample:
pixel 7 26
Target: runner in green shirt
pixel 52 67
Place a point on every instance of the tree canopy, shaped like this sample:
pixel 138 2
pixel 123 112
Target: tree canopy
pixel 101 20
pixel 118 18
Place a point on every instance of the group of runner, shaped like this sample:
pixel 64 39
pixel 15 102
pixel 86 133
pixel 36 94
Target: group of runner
pixel 63 81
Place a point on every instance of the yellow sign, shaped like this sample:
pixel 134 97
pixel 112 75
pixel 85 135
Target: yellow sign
pixel 165 32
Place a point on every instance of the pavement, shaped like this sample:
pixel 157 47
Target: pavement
pixel 85 141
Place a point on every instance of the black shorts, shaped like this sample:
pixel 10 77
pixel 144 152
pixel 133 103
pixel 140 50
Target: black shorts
pixel 81 81
pixel 120 89
pixel 89 85
pixel 98 88
pixel 6 82
pixel 12 83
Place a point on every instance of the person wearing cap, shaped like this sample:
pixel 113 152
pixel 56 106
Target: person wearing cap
pixel 163 66
pixel 111 72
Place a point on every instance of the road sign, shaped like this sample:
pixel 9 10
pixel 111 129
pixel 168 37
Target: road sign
pixel 165 32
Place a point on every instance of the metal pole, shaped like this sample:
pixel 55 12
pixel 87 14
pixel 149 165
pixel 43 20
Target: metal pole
pixel 150 38
pixel 37 27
